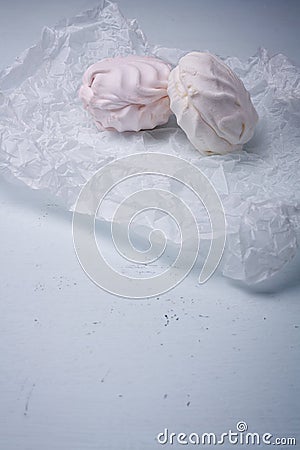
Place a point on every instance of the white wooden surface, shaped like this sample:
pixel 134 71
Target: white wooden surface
pixel 81 369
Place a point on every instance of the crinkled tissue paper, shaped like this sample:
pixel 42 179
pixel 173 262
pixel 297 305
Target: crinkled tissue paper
pixel 49 142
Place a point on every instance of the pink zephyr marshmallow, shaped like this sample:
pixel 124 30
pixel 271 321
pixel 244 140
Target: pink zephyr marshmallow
pixel 127 93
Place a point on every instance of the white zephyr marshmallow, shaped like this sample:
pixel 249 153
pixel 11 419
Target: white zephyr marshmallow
pixel 127 93
pixel 211 104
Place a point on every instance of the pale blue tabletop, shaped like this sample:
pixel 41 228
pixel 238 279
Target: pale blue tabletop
pixel 84 370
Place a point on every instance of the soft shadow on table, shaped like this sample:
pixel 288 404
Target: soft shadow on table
pixel 20 194
pixel 286 279
pixel 38 200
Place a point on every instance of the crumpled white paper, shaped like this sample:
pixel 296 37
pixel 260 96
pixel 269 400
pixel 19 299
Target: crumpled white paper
pixel 49 142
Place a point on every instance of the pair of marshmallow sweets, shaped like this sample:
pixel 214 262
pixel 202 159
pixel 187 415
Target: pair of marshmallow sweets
pixel 135 93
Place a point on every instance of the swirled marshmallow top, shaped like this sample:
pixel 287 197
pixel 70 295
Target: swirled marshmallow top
pixel 211 104
pixel 127 93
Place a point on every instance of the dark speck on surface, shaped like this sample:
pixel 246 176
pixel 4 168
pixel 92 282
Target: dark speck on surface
pixel 167 320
